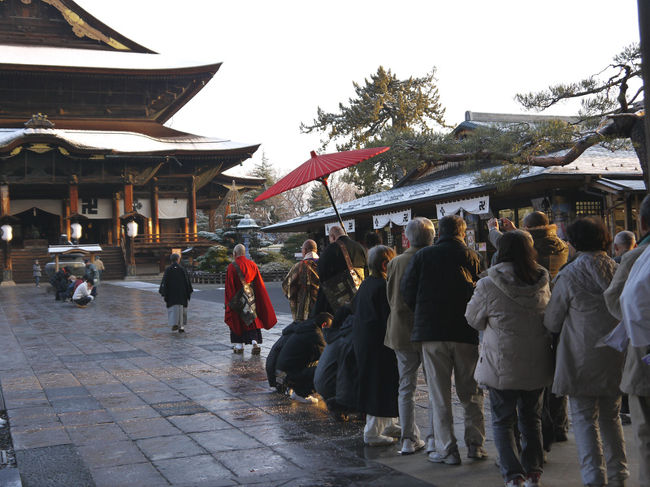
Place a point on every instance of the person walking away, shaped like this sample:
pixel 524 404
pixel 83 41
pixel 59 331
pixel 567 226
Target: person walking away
pixel 332 262
pixel 99 265
pixel 552 254
pixel 240 332
pixel 508 306
pixel 298 358
pixel 36 272
pixel 82 295
pixel 420 233
pixel 176 290
pixel 300 286
pixel 438 284
pixel 636 373
pixel 376 363
pixel 623 242
pixel 590 376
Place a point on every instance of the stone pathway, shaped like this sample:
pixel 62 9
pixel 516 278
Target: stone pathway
pixel 108 396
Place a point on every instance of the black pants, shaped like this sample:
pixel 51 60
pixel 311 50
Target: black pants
pixel 83 301
pixel 301 381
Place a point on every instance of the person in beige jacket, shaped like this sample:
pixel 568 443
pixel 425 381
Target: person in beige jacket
pixel 516 359
pixel 589 375
pixel 636 374
pixel 420 233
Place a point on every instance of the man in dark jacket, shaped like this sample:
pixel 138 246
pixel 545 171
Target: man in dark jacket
pixel 437 285
pixel 297 359
pixel 176 289
pixel 332 262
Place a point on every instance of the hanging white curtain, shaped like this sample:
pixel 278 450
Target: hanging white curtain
pixel 476 206
pixel 51 206
pixel 397 217
pixel 169 208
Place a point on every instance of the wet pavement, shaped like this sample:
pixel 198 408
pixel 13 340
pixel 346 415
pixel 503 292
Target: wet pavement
pixel 108 396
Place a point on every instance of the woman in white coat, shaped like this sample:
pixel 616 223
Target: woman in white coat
pixel 516 360
pixel 589 375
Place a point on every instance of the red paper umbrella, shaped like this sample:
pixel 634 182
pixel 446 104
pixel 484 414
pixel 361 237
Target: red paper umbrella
pixel 318 168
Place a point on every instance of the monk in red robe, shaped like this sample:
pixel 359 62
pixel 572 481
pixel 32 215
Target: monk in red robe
pixel 240 332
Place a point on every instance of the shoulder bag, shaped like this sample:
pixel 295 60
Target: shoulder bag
pixel 243 302
pixel 341 288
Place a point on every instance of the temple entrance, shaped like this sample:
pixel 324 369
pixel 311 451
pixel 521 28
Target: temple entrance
pixel 96 231
pixel 37 228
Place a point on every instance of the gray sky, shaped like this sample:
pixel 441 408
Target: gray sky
pixel 283 59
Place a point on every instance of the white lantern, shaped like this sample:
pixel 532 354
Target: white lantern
pixel 76 231
pixel 132 229
pixel 7 233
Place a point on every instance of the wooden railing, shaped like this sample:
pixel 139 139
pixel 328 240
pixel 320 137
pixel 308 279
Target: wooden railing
pixel 171 240
pixel 201 277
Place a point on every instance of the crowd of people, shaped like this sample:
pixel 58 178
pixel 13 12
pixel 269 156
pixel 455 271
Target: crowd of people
pixel 537 332
pixel 80 290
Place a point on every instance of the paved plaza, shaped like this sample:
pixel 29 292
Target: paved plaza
pixel 108 396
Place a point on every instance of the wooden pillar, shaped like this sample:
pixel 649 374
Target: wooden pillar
pixel 154 212
pixel 192 207
pixel 4 200
pixel 66 217
pixel 128 198
pixel 116 219
pixel 73 193
pixel 186 222
pixel 212 220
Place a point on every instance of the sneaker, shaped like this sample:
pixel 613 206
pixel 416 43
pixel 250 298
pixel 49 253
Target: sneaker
pixel 515 482
pixel 409 446
pixel 431 445
pixel 532 480
pixel 181 330
pixel 304 400
pixel 476 452
pixel 175 327
pixel 256 349
pixel 80 305
pixel 380 440
pixel 393 430
pixel 451 458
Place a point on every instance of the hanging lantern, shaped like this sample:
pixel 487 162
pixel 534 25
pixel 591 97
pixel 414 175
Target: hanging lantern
pixel 76 231
pixel 132 229
pixel 7 233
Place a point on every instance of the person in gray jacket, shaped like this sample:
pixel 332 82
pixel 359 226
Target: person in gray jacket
pixel 589 375
pixel 420 233
pixel 516 359
pixel 636 374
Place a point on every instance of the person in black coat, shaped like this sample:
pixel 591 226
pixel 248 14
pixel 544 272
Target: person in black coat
pixel 332 262
pixel 176 289
pixel 60 283
pixel 296 361
pixel 438 283
pixel 376 363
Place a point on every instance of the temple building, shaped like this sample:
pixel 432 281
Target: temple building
pixel 83 140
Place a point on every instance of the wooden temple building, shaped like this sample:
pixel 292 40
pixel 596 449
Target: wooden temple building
pixel 83 140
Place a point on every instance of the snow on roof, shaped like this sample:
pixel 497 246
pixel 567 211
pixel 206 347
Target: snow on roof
pixel 85 58
pixel 594 161
pixel 122 142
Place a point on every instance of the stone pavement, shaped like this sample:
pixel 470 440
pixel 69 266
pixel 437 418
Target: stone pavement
pixel 108 396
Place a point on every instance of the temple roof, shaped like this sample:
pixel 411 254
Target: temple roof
pixel 59 23
pixel 96 142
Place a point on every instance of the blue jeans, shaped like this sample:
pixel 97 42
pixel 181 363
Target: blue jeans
pixel 507 406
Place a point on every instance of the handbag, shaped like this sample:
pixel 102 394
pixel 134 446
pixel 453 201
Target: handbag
pixel 341 288
pixel 243 302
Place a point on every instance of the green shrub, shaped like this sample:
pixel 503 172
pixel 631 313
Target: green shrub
pixel 292 245
pixel 216 259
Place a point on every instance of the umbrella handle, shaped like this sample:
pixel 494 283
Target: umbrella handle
pixel 336 210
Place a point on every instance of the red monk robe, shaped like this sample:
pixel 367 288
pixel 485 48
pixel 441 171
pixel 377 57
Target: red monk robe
pixel 265 314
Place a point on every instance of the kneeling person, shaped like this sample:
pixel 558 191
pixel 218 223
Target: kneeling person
pixel 82 295
pixel 298 358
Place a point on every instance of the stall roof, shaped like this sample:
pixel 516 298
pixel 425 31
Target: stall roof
pixel 594 161
pixel 63 249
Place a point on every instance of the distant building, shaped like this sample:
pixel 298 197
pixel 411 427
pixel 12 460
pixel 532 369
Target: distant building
pixel 82 138
pixel 600 182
